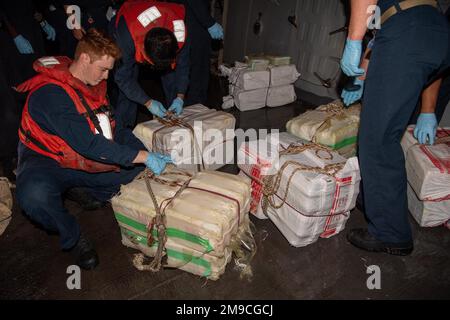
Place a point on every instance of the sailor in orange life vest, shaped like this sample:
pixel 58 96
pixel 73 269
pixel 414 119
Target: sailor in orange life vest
pixel 152 33
pixel 68 140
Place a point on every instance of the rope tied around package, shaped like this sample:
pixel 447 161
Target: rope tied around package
pixel 272 183
pixel 333 109
pixel 172 121
pixel 158 222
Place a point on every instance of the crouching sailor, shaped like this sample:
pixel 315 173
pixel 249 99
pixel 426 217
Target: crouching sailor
pixel 68 140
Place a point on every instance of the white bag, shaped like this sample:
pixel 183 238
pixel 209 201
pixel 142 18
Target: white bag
pixel 280 96
pixel 246 79
pixel 317 205
pixel 283 75
pixel 189 153
pixel 428 213
pixel 250 100
pixel 428 167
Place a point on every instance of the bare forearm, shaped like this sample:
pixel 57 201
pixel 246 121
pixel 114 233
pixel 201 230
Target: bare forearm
pixel 359 17
pixel 430 96
pixel 141 157
pixel 365 64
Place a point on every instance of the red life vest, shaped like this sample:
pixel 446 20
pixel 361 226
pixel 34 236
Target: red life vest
pixel 89 101
pixel 141 16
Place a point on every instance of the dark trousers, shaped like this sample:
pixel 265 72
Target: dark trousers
pixel 410 47
pixel 200 67
pixel 41 183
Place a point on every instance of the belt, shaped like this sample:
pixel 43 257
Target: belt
pixel 405 5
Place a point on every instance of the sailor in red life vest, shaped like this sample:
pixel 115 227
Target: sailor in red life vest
pixel 151 33
pixel 68 140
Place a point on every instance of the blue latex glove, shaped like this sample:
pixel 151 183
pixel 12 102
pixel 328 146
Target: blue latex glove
pixel 350 97
pixel 157 109
pixel 157 162
pixel 49 30
pixel 426 128
pixel 351 58
pixel 177 106
pixel 216 31
pixel 23 45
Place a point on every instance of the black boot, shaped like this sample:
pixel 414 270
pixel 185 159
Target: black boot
pixel 362 239
pixel 85 254
pixel 84 199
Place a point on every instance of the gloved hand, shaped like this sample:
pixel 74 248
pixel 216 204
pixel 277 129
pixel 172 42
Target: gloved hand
pixel 177 106
pixel 23 45
pixel 49 30
pixel 426 128
pixel 157 162
pixel 351 58
pixel 157 109
pixel 350 97
pixel 216 31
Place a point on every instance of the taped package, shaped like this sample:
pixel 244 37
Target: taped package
pixel 250 100
pixel 428 172
pixel 189 139
pixel 201 222
pixel 283 75
pixel 307 190
pixel 246 79
pixel 428 213
pixel 428 167
pixel 280 96
pixel 331 125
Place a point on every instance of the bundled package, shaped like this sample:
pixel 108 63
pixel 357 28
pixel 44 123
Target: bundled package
pixel 246 79
pixel 306 189
pixel 283 75
pixel 280 96
pixel 250 100
pixel 188 138
pixel 428 172
pixel 330 125
pixel 6 204
pixel 205 213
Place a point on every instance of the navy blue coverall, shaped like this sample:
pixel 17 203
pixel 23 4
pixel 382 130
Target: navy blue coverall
pixel 41 181
pixel 126 77
pixel 409 50
pixel 198 20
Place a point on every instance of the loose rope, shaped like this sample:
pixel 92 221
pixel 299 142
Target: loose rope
pixel 333 109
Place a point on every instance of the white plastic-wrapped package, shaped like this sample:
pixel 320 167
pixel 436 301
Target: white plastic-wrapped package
pixel 280 96
pixel 179 256
pixel 315 193
pixel 246 79
pixel 428 167
pixel 204 217
pixel 428 213
pixel 331 125
pixel 250 100
pixel 191 151
pixel 283 75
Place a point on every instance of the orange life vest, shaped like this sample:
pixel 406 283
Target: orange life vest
pixel 141 16
pixel 89 102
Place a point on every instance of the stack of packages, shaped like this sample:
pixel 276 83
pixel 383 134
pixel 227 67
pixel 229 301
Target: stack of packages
pixel 193 139
pixel 257 84
pixel 428 172
pixel 330 125
pixel 306 189
pixel 206 218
